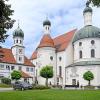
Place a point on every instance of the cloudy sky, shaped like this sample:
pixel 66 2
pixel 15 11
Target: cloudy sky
pixel 65 15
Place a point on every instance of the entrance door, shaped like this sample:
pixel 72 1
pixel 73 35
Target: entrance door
pixel 73 81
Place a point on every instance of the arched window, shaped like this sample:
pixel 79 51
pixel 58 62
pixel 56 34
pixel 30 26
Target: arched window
pixel 60 71
pixel 46 28
pixel 80 54
pixel 20 41
pixel 92 53
pixel 80 43
pixel 16 41
pixel 60 58
pixel 51 58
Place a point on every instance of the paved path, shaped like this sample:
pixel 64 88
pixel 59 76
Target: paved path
pixel 5 89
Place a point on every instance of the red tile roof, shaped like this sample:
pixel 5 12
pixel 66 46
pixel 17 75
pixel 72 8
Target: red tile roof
pixel 34 55
pixel 46 41
pixel 27 62
pixel 25 75
pixel 9 58
pixel 60 43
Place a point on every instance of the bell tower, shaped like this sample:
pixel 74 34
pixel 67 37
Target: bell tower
pixel 18 48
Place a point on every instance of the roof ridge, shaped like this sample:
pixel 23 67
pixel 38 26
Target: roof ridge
pixel 64 33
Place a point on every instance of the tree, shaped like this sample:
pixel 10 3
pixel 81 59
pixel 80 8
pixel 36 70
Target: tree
pixel 47 72
pixel 16 75
pixel 88 76
pixel 95 2
pixel 5 19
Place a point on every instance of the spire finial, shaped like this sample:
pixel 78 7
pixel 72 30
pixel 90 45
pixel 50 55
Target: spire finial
pixel 46 16
pixel 87 3
pixel 18 23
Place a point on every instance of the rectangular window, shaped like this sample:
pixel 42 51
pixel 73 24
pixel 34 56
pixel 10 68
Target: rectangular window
pixel 27 69
pixel 12 67
pixel 1 67
pixel 20 68
pixel 73 81
pixel 7 67
pixel 31 69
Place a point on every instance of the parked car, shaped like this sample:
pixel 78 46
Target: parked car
pixel 22 85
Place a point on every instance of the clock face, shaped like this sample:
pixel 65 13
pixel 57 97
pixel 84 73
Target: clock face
pixel 20 51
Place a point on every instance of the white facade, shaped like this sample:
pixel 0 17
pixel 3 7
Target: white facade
pixel 78 57
pixel 15 59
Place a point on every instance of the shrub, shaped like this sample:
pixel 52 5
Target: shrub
pixel 2 85
pixel 57 86
pixel 89 87
pixel 6 80
pixel 40 87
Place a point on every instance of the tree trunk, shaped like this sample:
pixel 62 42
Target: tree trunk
pixel 89 83
pixel 46 81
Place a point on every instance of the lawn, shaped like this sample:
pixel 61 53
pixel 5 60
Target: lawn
pixel 51 95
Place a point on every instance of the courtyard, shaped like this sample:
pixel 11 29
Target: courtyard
pixel 51 95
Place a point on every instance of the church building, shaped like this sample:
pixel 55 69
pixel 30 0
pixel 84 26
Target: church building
pixel 71 54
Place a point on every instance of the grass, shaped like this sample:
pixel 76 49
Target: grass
pixel 51 95
pixel 4 85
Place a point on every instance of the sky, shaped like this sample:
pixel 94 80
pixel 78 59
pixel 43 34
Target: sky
pixel 65 15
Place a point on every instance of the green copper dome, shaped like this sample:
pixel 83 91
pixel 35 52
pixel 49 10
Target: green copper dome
pixel 87 9
pixel 88 31
pixel 46 22
pixel 18 33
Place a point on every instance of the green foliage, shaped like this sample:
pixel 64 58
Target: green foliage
pixel 47 72
pixel 95 2
pixel 5 19
pixel 16 75
pixel 88 76
pixel 40 87
pixel 6 80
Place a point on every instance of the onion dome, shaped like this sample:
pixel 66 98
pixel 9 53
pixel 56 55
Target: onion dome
pixel 46 22
pixel 46 41
pixel 18 33
pixel 87 9
pixel 88 31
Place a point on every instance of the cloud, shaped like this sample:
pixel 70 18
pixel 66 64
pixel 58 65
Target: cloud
pixel 64 15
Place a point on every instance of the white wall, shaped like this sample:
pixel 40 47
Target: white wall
pixel 79 71
pixel 43 59
pixel 7 73
pixel 86 49
pixel 67 59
